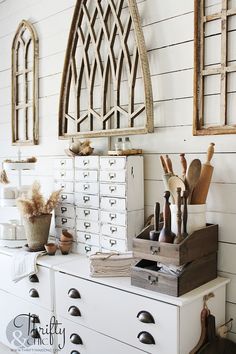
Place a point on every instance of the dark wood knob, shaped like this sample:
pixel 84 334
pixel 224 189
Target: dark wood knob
pixel 145 317
pixel 146 338
pixel 35 333
pixel 76 339
pixel 74 311
pixel 33 293
pixel 33 278
pixel 34 319
pixel 74 294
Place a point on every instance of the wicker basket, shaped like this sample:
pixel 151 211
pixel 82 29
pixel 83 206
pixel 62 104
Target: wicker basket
pixel 37 231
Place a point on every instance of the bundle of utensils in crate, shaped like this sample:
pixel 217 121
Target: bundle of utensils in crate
pixel 179 254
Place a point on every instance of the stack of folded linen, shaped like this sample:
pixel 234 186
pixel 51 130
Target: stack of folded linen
pixel 111 264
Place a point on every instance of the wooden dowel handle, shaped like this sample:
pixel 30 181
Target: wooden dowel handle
pixel 183 163
pixel 210 153
pixel 169 164
pixel 163 164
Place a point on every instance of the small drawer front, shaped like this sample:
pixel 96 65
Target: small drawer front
pixel 66 175
pixel 87 214
pixel 87 162
pixel 67 198
pixel 87 249
pixel 112 163
pixel 66 187
pixel 113 204
pixel 64 222
pixel 113 176
pixel 87 176
pixel 113 190
pixel 63 164
pixel 87 226
pixel 88 238
pixel 113 244
pixel 114 230
pixel 60 229
pixel 88 188
pixel 65 210
pixel 87 200
pixel 113 218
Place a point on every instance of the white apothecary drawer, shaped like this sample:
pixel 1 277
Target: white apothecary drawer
pixel 63 164
pixel 87 249
pixel 65 210
pixel 64 222
pixel 87 200
pixel 88 238
pixel 86 176
pixel 114 230
pixel 66 187
pixel 101 318
pixel 113 204
pixel 113 176
pixel 113 163
pixel 65 175
pixel 87 214
pixel 113 218
pixel 89 188
pixel 60 229
pixel 66 198
pixel 113 190
pixel 113 244
pixel 87 162
pixel 87 226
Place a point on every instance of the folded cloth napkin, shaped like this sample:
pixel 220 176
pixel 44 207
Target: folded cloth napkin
pixel 170 268
pixel 24 264
pixel 111 264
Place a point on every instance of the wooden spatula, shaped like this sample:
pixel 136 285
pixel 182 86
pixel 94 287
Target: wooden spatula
pixel 192 177
pixel 200 192
pixel 174 183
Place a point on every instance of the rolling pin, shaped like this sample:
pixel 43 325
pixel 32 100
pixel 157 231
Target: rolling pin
pixel 200 192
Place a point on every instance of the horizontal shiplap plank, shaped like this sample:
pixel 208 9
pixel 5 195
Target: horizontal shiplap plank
pixel 227 225
pixel 227 259
pixel 231 287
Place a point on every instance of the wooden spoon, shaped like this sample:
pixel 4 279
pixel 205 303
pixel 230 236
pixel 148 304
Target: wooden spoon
pixel 174 183
pixel 192 176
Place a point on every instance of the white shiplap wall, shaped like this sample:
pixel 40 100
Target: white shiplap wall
pixel 168 30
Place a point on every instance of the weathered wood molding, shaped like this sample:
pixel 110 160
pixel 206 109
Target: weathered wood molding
pixel 100 52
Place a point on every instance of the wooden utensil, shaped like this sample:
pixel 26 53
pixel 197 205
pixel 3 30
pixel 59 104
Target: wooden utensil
pixel 192 176
pixel 163 163
pixel 185 213
pixel 166 175
pixel 175 182
pixel 184 165
pixel 179 237
pixel 154 234
pixel 200 192
pixel 166 235
pixel 169 165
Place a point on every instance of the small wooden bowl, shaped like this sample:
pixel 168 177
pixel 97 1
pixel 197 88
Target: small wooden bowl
pixel 66 236
pixel 65 247
pixel 51 248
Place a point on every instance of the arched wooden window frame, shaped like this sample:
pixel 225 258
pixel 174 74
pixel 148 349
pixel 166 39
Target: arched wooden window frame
pixel 33 103
pixel 68 76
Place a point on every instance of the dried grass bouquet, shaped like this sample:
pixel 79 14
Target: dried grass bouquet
pixel 35 205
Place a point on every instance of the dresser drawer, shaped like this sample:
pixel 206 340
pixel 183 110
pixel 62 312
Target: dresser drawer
pixel 115 320
pixel 66 198
pixel 87 214
pixel 114 230
pixel 113 244
pixel 86 176
pixel 87 226
pixel 113 204
pixel 113 163
pixel 89 188
pixel 66 175
pixel 113 176
pixel 60 229
pixel 87 162
pixel 88 238
pixel 86 200
pixel 64 222
pixel 87 249
pixel 113 218
pixel 66 187
pixel 113 190
pixel 63 164
pixel 65 210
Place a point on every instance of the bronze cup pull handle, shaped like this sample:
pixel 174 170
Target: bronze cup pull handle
pixel 146 338
pixel 33 293
pixel 35 333
pixel 74 352
pixel 145 317
pixel 74 311
pixel 33 278
pixel 76 339
pixel 74 293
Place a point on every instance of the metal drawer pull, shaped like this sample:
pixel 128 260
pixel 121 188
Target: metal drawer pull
pixel 33 278
pixel 112 216
pixel 86 187
pixel 145 317
pixel 74 352
pixel 76 339
pixel 155 250
pixel 34 319
pixel 33 293
pixel 63 209
pixel 74 311
pixel 62 162
pixel 86 199
pixel 112 201
pixel 63 186
pixel 85 162
pixel 87 237
pixel 152 280
pixel 112 242
pixel 35 333
pixel 112 162
pixel 112 189
pixel 113 229
pixel 87 249
pixel 64 221
pixel 63 197
pixel 86 174
pixel 74 294
pixel 86 212
pixel 112 175
pixel 146 338
pixel 62 174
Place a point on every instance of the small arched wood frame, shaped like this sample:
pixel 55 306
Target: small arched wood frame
pixel 25 125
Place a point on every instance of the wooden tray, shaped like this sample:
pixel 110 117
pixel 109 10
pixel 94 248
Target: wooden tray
pixel 125 152
pixel 199 244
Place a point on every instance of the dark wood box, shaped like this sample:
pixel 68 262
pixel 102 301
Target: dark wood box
pixel 197 245
pixel 145 275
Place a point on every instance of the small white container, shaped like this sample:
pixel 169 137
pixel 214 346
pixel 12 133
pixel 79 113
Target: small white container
pixel 196 217
pixel 8 193
pixel 7 231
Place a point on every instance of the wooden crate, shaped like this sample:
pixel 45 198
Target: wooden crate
pixel 145 275
pixel 197 245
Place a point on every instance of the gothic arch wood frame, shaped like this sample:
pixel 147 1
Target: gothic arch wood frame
pixel 30 138
pixel 70 72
